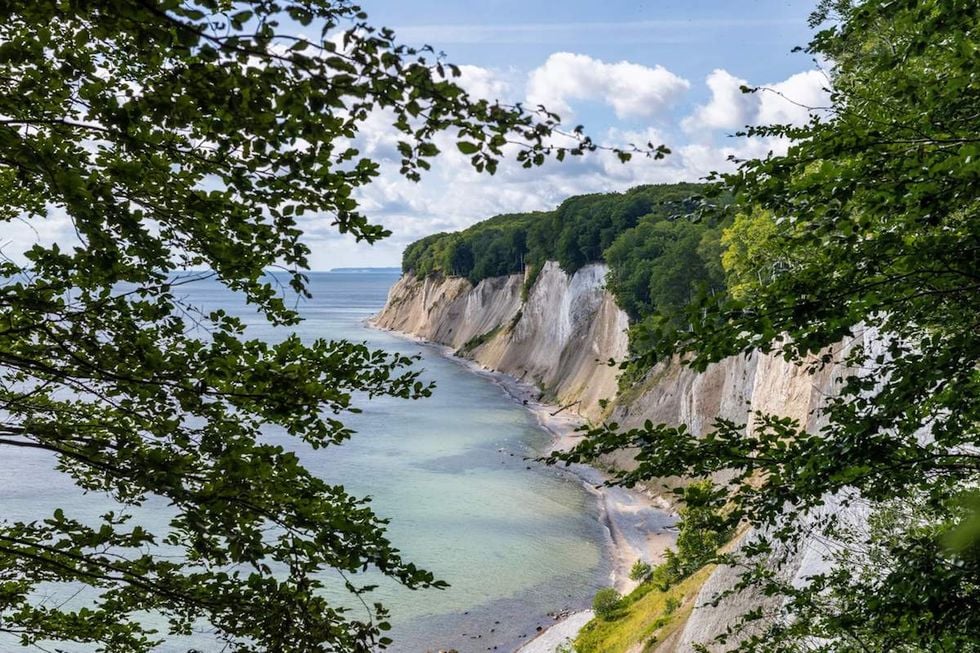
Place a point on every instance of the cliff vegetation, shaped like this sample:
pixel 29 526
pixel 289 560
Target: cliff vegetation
pixel 662 248
pixel 817 354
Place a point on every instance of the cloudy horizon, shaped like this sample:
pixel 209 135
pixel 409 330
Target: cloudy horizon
pixel 655 74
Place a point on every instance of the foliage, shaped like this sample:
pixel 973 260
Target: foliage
pixel 199 134
pixel 658 267
pixel 574 234
pixel 748 259
pixel 705 525
pixel 966 534
pixel 640 570
pixel 530 279
pixel 647 615
pixel 668 572
pixel 659 257
pixel 478 340
pixel 887 560
pixel 490 248
pixel 429 255
pixel 878 220
pixel 606 602
pixel 582 228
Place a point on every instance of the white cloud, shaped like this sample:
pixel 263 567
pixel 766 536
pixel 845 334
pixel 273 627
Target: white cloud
pixel 21 233
pixel 484 83
pixel 632 90
pixel 792 101
pixel 728 107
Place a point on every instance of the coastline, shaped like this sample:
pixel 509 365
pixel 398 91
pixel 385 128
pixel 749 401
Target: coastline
pixel 637 526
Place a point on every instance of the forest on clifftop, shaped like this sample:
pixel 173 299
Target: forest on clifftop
pixel 663 244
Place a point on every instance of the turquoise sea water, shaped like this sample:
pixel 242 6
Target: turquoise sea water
pixel 515 539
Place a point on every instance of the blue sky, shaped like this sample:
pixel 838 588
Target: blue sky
pixel 751 39
pixel 661 70
pixel 689 37
pixel 666 71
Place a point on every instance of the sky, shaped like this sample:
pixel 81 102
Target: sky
pixel 661 71
pixel 666 71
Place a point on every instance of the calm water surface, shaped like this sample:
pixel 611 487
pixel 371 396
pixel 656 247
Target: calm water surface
pixel 514 539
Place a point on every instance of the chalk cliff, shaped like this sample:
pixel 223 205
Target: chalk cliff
pixel 560 337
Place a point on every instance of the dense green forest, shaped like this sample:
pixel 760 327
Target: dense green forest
pixel 660 256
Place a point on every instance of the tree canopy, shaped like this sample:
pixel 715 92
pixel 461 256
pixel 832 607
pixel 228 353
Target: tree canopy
pixel 870 223
pixel 201 134
pixel 660 257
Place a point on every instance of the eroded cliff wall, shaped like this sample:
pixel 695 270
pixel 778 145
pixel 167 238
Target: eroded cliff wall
pixel 561 338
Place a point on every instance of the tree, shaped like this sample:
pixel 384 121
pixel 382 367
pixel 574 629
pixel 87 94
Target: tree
pixel 640 570
pixel 199 134
pixel 748 259
pixel 606 603
pixel 660 265
pixel 461 258
pixel 876 207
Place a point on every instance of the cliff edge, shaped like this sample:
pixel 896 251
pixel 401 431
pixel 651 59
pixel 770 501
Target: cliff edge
pixel 560 334
pixel 560 339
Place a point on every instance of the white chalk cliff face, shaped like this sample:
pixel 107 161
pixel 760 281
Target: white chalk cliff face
pixel 561 339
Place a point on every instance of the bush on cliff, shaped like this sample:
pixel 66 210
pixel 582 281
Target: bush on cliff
pixel 640 570
pixel 606 603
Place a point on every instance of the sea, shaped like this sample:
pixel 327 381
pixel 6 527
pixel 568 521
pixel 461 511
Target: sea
pixel 455 474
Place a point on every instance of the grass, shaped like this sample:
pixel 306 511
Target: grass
pixel 647 616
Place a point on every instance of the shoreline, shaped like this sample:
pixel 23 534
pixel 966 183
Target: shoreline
pixel 637 526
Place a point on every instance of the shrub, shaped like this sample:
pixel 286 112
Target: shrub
pixel 606 603
pixel 476 341
pixel 704 526
pixel 666 574
pixel 530 279
pixel 640 570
